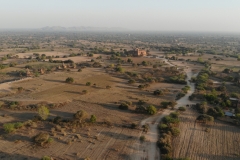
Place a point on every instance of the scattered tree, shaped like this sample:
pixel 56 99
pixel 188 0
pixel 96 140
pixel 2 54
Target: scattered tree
pixel 43 112
pixel 69 80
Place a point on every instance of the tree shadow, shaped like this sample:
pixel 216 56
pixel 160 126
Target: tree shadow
pixel 8 156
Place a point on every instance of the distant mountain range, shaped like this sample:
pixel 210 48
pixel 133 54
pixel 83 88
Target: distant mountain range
pixel 81 28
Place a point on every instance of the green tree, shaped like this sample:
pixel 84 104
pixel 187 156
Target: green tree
pixel 119 69
pixel 9 127
pixel 80 115
pixel 151 109
pixel 43 112
pixel 69 80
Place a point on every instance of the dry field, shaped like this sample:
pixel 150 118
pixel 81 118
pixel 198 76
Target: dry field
pixel 97 141
pixel 221 143
pixel 111 143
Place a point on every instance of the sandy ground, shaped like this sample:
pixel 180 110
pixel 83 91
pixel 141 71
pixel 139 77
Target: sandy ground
pixel 7 86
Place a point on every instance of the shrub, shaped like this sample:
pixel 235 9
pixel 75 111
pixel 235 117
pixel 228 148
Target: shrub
pixel 41 138
pixel 46 158
pixel 205 118
pixel 18 125
pixel 151 110
pixel 20 89
pixel 79 70
pixel 84 91
pixel 175 131
pixel 131 81
pixel 141 102
pixel 88 84
pixel 50 140
pixel 69 80
pixel 182 108
pixel 133 125
pixel 119 69
pixel 185 89
pixel 108 87
pixel 169 120
pixel 174 114
pixel 57 120
pixel 163 127
pixel 158 92
pixel 142 138
pixel 164 104
pixel 9 127
pixel 80 115
pixel 43 112
pixel 123 106
pixel 141 86
pixel 93 119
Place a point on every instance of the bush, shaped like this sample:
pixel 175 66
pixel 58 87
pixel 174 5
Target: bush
pixel 9 127
pixel 141 102
pixel 169 120
pixel 69 80
pixel 151 110
pixel 164 104
pixel 79 70
pixel 131 81
pixel 18 125
pixel 133 125
pixel 205 118
pixel 93 119
pixel 108 87
pixel 41 138
pixel 46 158
pixel 119 69
pixel 182 108
pixel 175 131
pixel 43 112
pixel 80 115
pixel 50 140
pixel 84 91
pixel 163 127
pixel 142 138
pixel 174 114
pixel 88 84
pixel 57 120
pixel 20 89
pixel 123 106
pixel 158 92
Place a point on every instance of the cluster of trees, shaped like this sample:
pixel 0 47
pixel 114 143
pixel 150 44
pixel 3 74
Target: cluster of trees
pixel 213 112
pixel 11 127
pixel 170 104
pixel 168 130
pixel 202 79
pixel 150 109
pixel 179 79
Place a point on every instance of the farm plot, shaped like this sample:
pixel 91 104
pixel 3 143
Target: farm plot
pixel 222 142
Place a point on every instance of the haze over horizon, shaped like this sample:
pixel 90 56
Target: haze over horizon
pixel 139 15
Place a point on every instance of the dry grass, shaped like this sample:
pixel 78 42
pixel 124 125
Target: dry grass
pixel 217 141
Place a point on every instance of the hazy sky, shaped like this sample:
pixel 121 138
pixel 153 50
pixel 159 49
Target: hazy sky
pixel 162 15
